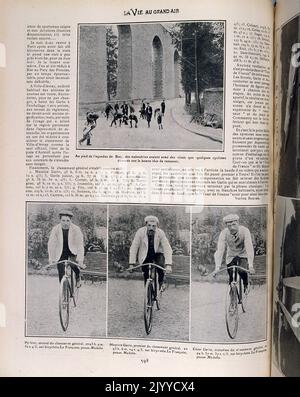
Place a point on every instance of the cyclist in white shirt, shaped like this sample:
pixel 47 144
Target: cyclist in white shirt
pixel 236 240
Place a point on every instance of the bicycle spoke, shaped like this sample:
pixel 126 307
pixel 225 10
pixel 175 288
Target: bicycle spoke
pixel 148 305
pixel 231 312
pixel 64 301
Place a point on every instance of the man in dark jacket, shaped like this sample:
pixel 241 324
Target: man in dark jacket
pixel 148 112
pixel 163 107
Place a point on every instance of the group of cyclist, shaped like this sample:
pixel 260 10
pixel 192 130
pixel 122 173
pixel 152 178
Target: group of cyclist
pixel 122 114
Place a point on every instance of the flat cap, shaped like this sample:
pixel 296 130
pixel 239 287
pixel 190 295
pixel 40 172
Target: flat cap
pixel 230 218
pixel 65 212
pixel 151 218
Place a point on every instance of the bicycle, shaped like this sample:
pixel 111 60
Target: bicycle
pixel 234 297
pixel 68 289
pixel 151 293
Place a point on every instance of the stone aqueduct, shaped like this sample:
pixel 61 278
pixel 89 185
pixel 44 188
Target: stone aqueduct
pixel 148 64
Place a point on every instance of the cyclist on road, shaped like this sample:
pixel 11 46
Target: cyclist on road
pixel 236 240
pixel 150 245
pixel 66 243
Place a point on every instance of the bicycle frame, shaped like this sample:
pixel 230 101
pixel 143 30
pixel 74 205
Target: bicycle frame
pixel 150 293
pixel 68 268
pixel 150 269
pixel 67 290
pixel 233 298
pixel 237 281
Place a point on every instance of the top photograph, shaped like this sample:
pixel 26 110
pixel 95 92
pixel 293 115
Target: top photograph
pixel 151 86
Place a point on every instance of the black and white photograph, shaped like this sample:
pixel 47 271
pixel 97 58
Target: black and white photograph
pixel 66 269
pixel 228 274
pixel 149 272
pixel 286 279
pixel 289 165
pixel 151 86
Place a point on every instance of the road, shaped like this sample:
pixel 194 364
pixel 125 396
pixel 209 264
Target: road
pixel 87 319
pixel 208 314
pixel 125 313
pixel 173 136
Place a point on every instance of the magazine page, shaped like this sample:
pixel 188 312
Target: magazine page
pixel 286 282
pixel 136 202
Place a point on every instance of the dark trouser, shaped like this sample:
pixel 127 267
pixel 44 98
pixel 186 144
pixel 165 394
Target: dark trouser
pixel 135 120
pixel 61 268
pixel 87 136
pixel 243 262
pixel 159 259
pixel 149 119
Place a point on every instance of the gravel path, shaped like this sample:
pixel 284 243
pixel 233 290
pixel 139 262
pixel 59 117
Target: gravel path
pixel 125 314
pixel 87 319
pixel 208 314
pixel 173 135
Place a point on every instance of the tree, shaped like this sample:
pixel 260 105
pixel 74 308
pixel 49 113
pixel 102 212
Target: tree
pixel 112 62
pixel 202 49
pixel 41 222
pixel 125 221
pixel 208 224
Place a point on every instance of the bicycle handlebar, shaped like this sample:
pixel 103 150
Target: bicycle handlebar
pixel 230 267
pixel 64 261
pixel 215 273
pixel 145 264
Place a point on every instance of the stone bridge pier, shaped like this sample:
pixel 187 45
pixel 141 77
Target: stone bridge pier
pixel 92 73
pixel 148 64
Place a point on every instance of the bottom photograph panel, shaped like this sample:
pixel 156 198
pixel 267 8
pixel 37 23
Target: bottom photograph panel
pixel 149 272
pixel 228 287
pixel 135 271
pixel 66 270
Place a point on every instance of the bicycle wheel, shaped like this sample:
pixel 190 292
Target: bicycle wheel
pixel 231 311
pixel 64 303
pixel 157 291
pixel 74 289
pixel 245 298
pixel 148 306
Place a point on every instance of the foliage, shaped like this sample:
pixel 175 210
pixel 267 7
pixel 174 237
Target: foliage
pixel 42 219
pixel 126 220
pixel 112 62
pixel 208 225
pixel 208 38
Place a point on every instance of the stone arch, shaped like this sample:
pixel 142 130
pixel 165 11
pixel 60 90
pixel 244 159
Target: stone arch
pixel 91 66
pixel 176 74
pixel 157 67
pixel 124 81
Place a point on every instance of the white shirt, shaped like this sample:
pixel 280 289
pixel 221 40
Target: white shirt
pixel 235 245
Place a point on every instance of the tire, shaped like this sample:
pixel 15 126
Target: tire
pixel 148 306
pixel 64 303
pixel 157 292
pixel 231 311
pixel 75 290
pixel 245 299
